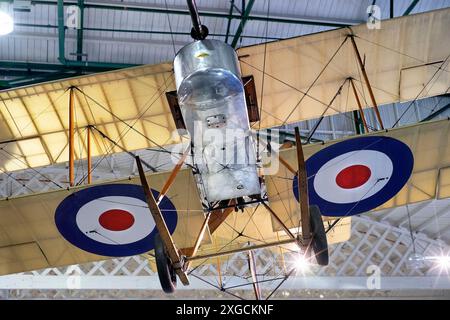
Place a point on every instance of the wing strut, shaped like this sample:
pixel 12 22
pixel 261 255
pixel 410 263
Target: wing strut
pixel 302 180
pixel 366 79
pixel 285 228
pixel 172 176
pixel 71 138
pixel 166 237
pixel 89 157
pixel 361 112
pixel 252 268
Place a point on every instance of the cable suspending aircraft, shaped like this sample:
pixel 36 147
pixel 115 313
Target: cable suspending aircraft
pixel 236 184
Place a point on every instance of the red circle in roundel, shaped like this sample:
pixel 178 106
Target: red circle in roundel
pixel 116 220
pixel 353 176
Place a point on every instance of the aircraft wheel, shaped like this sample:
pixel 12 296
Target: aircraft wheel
pixel 166 272
pixel 319 238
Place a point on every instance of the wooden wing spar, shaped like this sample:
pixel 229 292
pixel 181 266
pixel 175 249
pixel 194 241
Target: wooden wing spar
pixel 406 58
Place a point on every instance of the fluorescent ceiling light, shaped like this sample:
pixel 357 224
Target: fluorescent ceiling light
pixel 6 23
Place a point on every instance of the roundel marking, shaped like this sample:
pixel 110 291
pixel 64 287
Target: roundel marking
pixel 116 220
pixel 357 175
pixel 353 176
pixel 112 219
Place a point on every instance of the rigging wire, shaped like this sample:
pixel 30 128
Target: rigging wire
pixel 170 29
pixel 31 168
pixel 399 52
pixel 298 90
pixel 128 126
pixel 420 92
pixel 315 80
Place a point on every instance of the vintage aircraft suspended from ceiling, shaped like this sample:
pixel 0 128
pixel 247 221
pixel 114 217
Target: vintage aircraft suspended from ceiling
pixel 201 209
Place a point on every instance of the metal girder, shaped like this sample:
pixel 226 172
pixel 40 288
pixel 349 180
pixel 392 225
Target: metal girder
pixel 244 19
pixel 26 81
pixel 411 7
pixel 139 7
pixel 80 31
pixel 229 20
pixel 391 9
pixel 49 26
pixel 61 45
pixel 436 113
pixel 36 66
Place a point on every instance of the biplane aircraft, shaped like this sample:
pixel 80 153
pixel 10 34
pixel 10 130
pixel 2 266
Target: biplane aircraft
pixel 231 189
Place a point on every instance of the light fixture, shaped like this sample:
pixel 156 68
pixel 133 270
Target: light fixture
pixel 6 23
pixel 416 261
pixel 443 262
pixel 301 263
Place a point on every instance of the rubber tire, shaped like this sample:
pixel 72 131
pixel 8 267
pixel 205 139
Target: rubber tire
pixel 166 272
pixel 319 241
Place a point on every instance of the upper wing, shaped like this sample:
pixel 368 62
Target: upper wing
pixel 129 106
pixel 406 58
pixel 430 177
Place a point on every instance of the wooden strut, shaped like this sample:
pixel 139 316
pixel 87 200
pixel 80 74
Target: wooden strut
pixel 244 249
pixel 286 164
pixel 218 216
pixel 172 176
pixel 71 138
pixel 282 161
pixel 361 112
pixel 366 79
pixel 199 239
pixel 285 228
pixel 161 226
pixel 302 180
pixel 89 159
pixel 252 268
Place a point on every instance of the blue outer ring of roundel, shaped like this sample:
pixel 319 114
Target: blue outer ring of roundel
pixel 399 153
pixel 65 219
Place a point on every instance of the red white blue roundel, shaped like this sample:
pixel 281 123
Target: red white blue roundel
pixel 357 175
pixel 111 220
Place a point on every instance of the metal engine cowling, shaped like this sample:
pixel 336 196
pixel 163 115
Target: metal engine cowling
pixel 212 100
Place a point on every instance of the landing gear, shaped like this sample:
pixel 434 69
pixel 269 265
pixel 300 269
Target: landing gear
pixel 319 238
pixel 166 272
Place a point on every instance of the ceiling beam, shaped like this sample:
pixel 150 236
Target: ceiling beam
pixel 80 31
pixel 244 19
pixel 97 39
pixel 12 66
pixel 391 9
pixel 229 20
pixel 411 7
pixel 181 10
pixel 49 26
